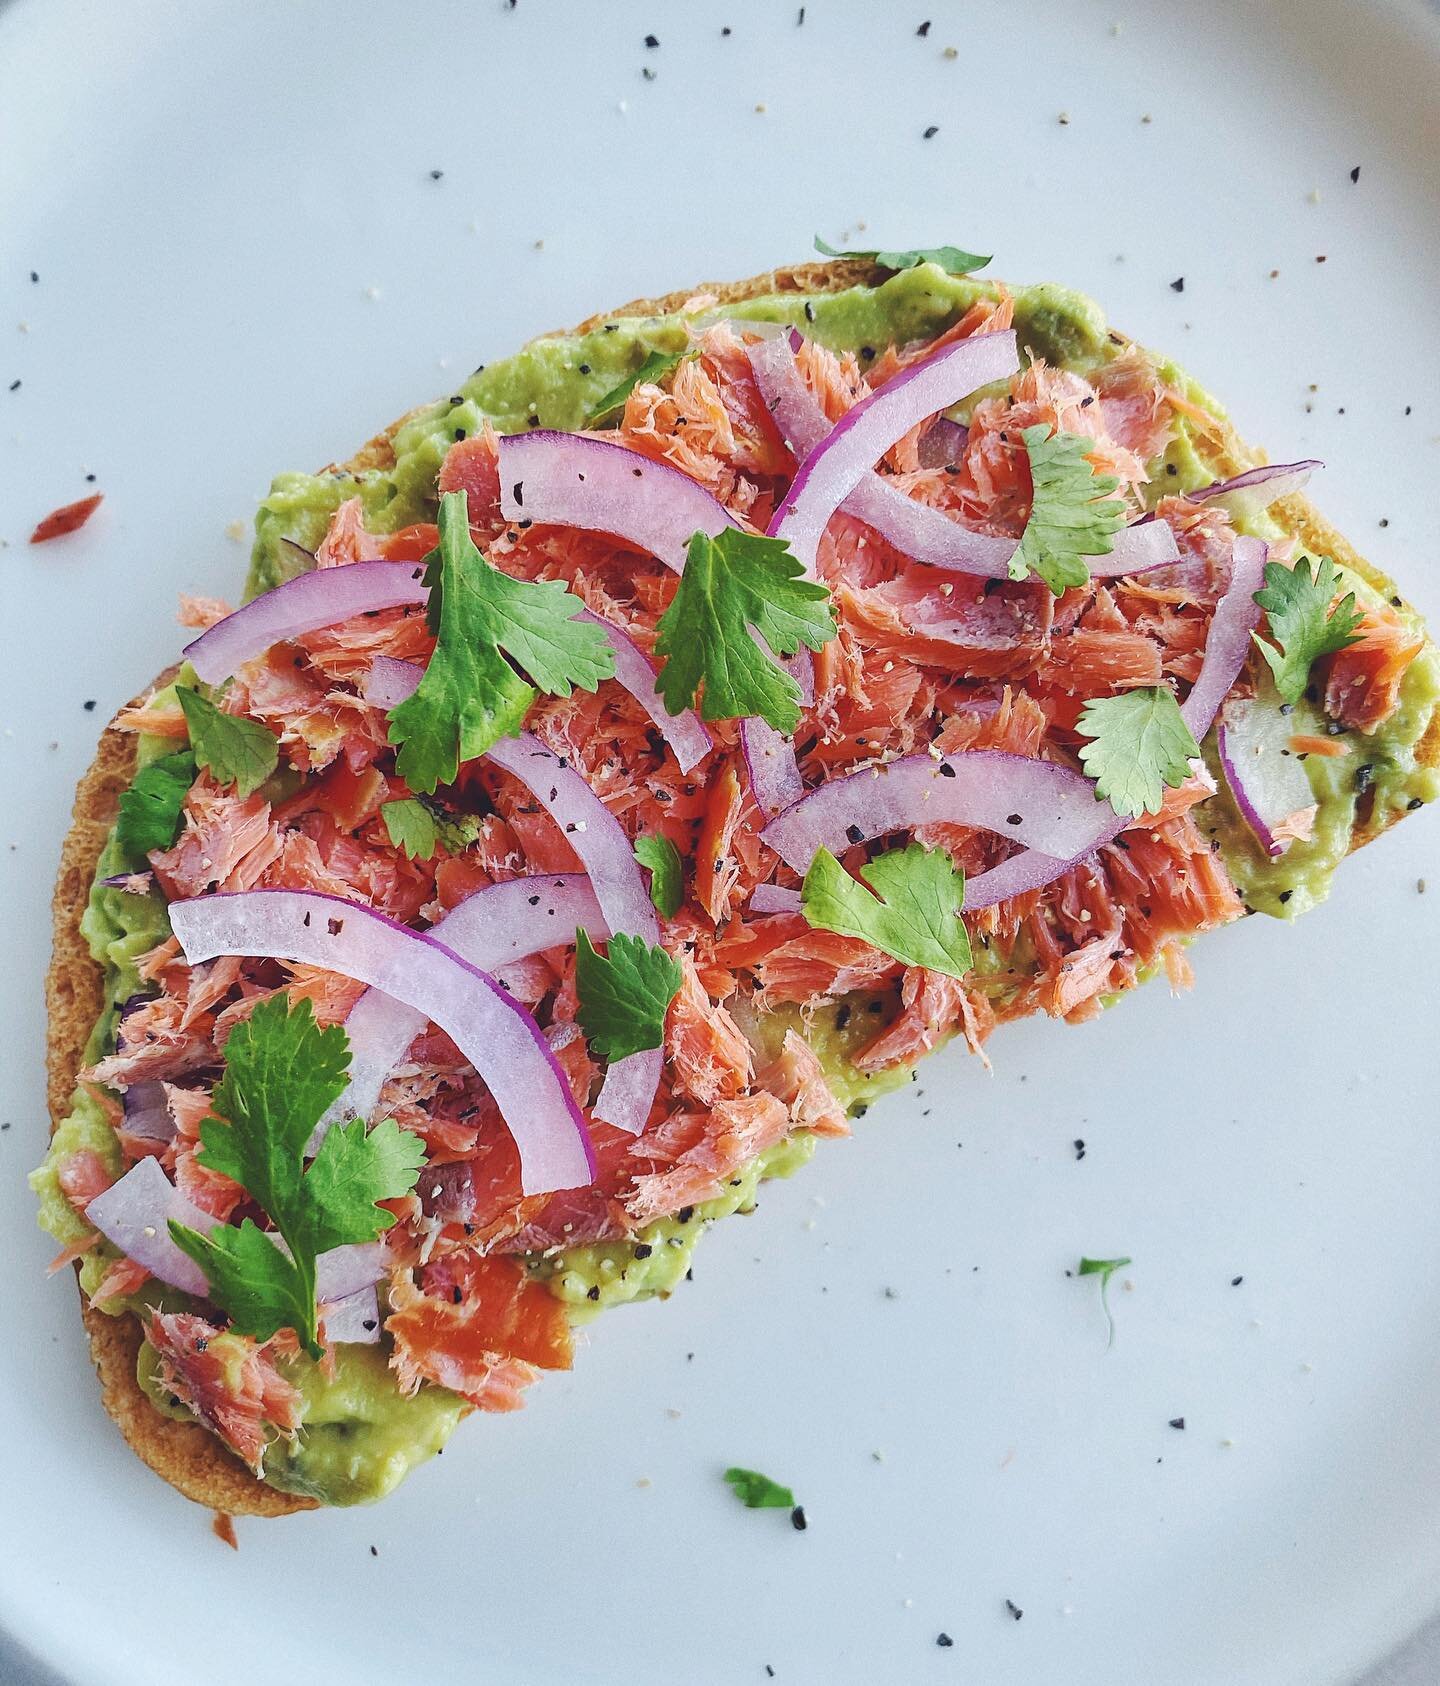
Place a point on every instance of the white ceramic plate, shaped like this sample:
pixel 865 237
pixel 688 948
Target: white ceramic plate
pixel 244 265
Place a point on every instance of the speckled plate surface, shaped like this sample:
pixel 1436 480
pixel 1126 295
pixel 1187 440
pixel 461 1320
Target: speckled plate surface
pixel 245 264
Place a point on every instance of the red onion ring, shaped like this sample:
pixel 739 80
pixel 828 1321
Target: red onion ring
pixel 490 929
pixel 1267 780
pixel 322 597
pixel 1279 480
pixel 635 672
pixel 577 480
pixel 499 1038
pixel 390 682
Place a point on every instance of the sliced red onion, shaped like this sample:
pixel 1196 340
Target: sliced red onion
pixel 135 1212
pixel 353 1321
pixel 1038 803
pixel 1258 488
pixel 347 1270
pixel 389 682
pixel 771 898
pixel 1266 778
pixel 942 443
pixel 322 597
pixel 490 929
pixel 496 1034
pixel 576 480
pixel 1227 644
pixel 147 1111
pixel 591 830
pixel 835 466
pixel 684 732
pixel 628 1092
pixel 770 765
pixel 917 530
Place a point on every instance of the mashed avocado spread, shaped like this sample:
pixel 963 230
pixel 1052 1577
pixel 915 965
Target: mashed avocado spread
pixel 359 1436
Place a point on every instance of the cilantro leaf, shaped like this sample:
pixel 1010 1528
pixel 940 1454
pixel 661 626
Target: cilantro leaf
pixel 656 366
pixel 950 258
pixel 759 1492
pixel 417 827
pixel 732 584
pixel 262 1289
pixel 622 994
pixel 1139 744
pixel 914 913
pixel 150 809
pixel 1302 622
pixel 1072 514
pixel 282 1072
pixel 663 859
pixel 1104 1269
pixel 470 696
pixel 235 750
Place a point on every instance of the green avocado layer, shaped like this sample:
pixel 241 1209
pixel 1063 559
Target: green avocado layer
pixel 359 1436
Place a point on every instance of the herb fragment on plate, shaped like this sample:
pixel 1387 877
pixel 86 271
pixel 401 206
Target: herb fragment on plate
pixel 759 1492
pixel 656 366
pixel 1072 514
pixel 469 696
pixel 1302 621
pixel 951 259
pixel 282 1071
pixel 233 750
pixel 417 827
pixel 734 583
pixel 151 808
pixel 662 858
pixel 622 995
pixel 911 909
pixel 1139 744
pixel 1104 1269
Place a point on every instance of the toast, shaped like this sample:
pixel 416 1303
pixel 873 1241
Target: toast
pixel 192 1460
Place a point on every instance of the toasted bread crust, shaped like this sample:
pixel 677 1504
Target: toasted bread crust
pixel 189 1457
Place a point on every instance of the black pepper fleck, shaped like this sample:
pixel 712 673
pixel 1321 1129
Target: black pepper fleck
pixel 1355 173
pixel 944 1641
pixel 437 175
pixel 797 1519
pixel 593 1291
pixel 854 833
pixel 651 41
pixel 1014 1609
pixel 1177 1422
pixel 89 705
pixel 932 131
pixel 1235 1281
pixel 643 1249
pixel 924 29
pixel 1178 284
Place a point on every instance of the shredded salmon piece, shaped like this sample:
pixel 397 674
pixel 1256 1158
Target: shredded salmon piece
pixel 797 1078
pixel 235 1391
pixel 1362 686
pixel 744 1127
pixel 705 1047
pixel 1310 743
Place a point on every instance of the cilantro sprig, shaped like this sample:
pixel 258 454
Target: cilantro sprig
pixel 661 856
pixel 622 995
pixel 417 827
pixel 282 1072
pixel 758 1492
pixel 235 750
pixel 1139 743
pixel 150 809
pixel 1302 623
pixel 656 366
pixel 1072 514
pixel 951 259
pixel 470 696
pixel 912 914
pixel 731 584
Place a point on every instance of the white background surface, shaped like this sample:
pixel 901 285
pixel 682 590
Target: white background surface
pixel 245 266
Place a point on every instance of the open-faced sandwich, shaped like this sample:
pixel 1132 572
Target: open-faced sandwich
pixel 619 773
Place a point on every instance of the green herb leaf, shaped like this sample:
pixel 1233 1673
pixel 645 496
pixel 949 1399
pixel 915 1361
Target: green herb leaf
pixel 656 366
pixel 622 995
pixel 235 750
pixel 470 696
pixel 1104 1269
pixel 914 913
pixel 1072 514
pixel 1302 622
pixel 417 827
pixel 950 258
pixel 759 1492
pixel 731 584
pixel 282 1071
pixel 150 810
pixel 663 859
pixel 1139 744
